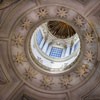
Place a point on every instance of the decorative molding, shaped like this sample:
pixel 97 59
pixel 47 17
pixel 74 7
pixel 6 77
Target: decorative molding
pixel 93 98
pixel 25 97
pixel 84 2
pixel 7 3
pixel 37 2
pixel 3 79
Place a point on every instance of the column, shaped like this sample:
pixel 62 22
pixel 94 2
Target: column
pixel 67 53
pixel 49 50
pixel 42 43
pixel 63 53
pixel 77 45
pixel 72 50
pixel 45 47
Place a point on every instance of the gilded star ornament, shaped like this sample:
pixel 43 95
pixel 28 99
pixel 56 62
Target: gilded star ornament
pixel 82 71
pixel 79 21
pixel 62 12
pixel 19 58
pixel 65 81
pixel 47 82
pixel 26 24
pixel 89 38
pixel 89 56
pixel 30 73
pixel 18 40
pixel 42 13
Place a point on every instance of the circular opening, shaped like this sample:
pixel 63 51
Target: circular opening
pixel 60 29
pixel 55 46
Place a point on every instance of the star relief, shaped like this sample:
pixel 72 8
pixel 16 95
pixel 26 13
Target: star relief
pixel 19 58
pixel 89 38
pixel 79 21
pixel 30 73
pixel 62 12
pixel 26 23
pixel 89 56
pixel 18 40
pixel 42 13
pixel 47 82
pixel 65 81
pixel 82 71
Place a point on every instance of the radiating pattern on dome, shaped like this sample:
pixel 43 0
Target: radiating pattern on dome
pixel 60 29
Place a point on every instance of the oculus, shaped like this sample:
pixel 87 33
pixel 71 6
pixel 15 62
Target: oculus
pixel 55 46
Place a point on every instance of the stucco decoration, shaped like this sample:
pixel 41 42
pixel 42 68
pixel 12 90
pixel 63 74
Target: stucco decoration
pixel 27 68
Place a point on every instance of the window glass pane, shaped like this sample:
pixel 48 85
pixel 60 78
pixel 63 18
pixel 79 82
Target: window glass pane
pixel 56 52
pixel 39 37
